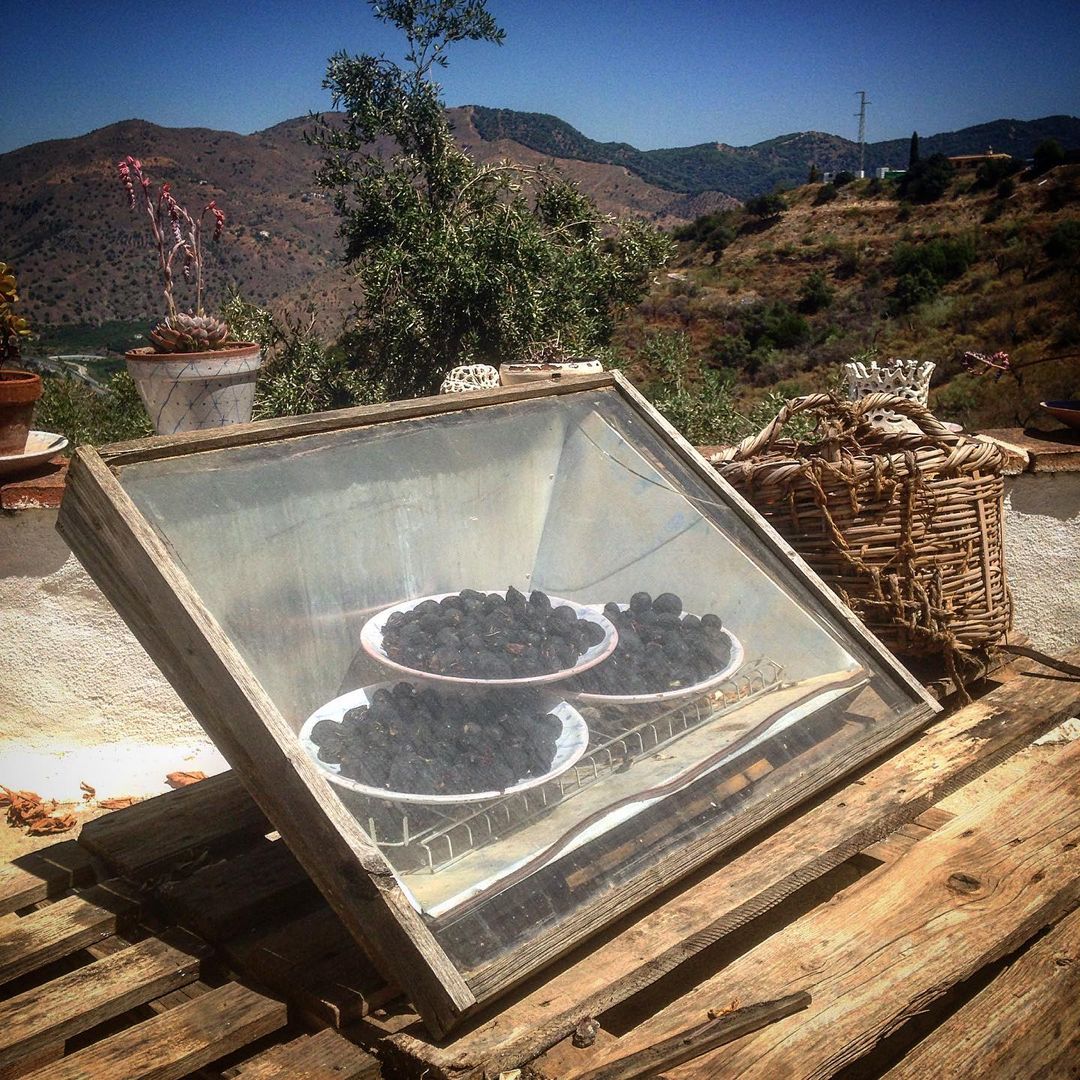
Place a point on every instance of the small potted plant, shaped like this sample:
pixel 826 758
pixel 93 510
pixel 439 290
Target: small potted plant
pixel 19 390
pixel 193 376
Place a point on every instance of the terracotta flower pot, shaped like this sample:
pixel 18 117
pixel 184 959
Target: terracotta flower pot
pixel 191 391
pixel 19 390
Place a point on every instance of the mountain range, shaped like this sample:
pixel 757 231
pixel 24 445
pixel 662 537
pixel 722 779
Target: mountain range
pixel 83 257
pixel 745 171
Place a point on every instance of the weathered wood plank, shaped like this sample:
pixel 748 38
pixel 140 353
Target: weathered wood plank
pixel 324 1056
pixel 687 1045
pixel 882 951
pixel 174 1043
pixel 204 817
pixel 951 753
pixel 232 895
pixel 291 427
pixel 63 928
pixel 314 962
pixel 39 875
pixel 133 567
pixel 84 998
pixel 1023 1025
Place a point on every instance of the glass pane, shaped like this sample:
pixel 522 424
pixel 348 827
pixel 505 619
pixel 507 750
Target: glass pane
pixel 506 809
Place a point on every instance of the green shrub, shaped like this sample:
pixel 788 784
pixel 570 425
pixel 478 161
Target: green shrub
pixel 71 408
pixel 459 261
pixel 927 180
pixel 767 206
pixel 816 293
pixel 914 288
pixel 774 326
pixel 843 178
pixel 1063 243
pixel 993 172
pixel 1048 154
pixel 826 193
pixel 946 258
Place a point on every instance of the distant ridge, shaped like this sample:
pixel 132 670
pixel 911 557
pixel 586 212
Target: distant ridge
pixel 744 171
pixel 83 258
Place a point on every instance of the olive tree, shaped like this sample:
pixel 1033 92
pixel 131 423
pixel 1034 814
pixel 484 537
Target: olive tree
pixel 460 261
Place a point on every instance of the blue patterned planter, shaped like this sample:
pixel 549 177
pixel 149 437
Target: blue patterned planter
pixel 190 391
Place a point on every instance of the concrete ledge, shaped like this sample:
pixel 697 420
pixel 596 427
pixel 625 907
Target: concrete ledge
pixel 1038 451
pixel 40 488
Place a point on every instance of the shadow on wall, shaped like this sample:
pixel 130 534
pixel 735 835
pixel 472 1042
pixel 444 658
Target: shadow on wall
pixel 32 547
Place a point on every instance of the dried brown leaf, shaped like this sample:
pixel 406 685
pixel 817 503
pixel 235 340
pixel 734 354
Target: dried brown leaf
pixel 118 804
pixel 183 779
pixel 88 790
pixel 44 825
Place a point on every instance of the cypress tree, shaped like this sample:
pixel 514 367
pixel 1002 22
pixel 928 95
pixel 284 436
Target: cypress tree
pixel 813 176
pixel 913 153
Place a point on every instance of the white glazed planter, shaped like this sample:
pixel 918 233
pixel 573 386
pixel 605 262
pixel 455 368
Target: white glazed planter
pixel 514 374
pixel 191 391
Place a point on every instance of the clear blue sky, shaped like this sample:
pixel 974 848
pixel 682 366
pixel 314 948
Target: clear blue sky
pixel 649 73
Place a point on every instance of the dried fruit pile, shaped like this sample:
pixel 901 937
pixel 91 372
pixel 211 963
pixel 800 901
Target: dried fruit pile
pixel 427 742
pixel 488 636
pixel 659 649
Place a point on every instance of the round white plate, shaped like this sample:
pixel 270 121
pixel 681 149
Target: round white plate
pixel 710 683
pixel 40 446
pixel 371 640
pixel 572 743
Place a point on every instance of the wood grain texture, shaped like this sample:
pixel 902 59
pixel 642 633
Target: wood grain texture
pixel 174 1043
pixel 38 875
pixel 883 950
pixel 292 427
pixel 951 753
pixel 312 959
pixel 687 1045
pixel 222 899
pixel 63 928
pixel 324 1056
pixel 205 817
pixel 1024 1025
pixel 82 999
pixel 131 564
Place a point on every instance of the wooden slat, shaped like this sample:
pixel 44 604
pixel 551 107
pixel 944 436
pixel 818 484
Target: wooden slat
pixel 949 754
pixel 84 998
pixel 204 817
pixel 172 1044
pixel 39 875
pixel 314 962
pixel 230 896
pixel 63 928
pixel 291 427
pixel 687 1045
pixel 134 568
pixel 881 952
pixel 325 1056
pixel 1025 1025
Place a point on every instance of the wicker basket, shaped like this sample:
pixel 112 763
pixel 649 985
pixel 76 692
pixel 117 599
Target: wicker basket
pixel 904 526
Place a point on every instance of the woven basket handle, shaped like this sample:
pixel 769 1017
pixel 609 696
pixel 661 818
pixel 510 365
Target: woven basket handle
pixel 927 423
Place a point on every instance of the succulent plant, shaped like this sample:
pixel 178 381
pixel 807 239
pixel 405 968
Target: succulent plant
pixel 177 234
pixel 12 326
pixel 184 332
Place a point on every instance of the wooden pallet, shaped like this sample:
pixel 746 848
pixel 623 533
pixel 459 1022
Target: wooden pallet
pixel 922 884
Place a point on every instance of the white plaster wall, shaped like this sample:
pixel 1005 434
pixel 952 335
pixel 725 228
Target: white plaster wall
pixel 1042 557
pixel 75 685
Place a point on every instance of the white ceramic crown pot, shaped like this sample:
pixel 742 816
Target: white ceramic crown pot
pixel 190 391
